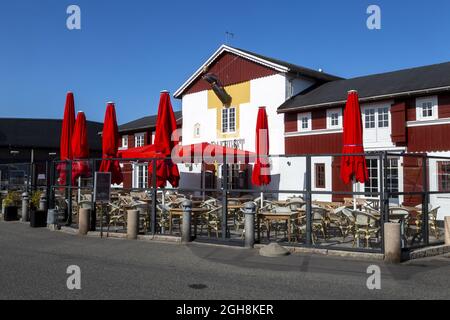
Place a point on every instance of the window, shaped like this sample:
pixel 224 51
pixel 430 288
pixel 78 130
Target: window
pixel 334 118
pixel 369 118
pixel 140 176
pixel 426 108
pixel 320 175
pixel 139 140
pixel 392 177
pixel 371 184
pixel 197 130
pixel 228 120
pixel 124 142
pixel 383 117
pixel 443 176
pixel 304 121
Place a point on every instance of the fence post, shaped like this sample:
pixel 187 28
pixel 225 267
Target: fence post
pixel 384 199
pixel 83 221
pixel 43 202
pixel 425 201
pixel 154 199
pixel 224 197
pixel 186 228
pixel 392 242
pixel 93 220
pixel 69 193
pixel 308 200
pixel 25 214
pixel 447 230
pixel 249 211
pixel 132 224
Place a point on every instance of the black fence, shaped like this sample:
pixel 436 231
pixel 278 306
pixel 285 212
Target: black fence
pixel 306 204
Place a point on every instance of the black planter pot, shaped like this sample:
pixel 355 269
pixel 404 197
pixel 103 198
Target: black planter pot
pixel 38 219
pixel 10 214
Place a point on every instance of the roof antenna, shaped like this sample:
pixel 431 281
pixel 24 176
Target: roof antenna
pixel 228 35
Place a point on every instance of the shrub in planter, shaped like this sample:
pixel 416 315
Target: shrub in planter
pixel 11 203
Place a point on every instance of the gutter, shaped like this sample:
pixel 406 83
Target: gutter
pixel 366 99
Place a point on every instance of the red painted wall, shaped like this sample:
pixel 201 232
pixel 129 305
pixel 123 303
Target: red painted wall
pixel 231 69
pixel 314 144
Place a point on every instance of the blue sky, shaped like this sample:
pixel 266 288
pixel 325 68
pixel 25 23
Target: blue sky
pixel 128 51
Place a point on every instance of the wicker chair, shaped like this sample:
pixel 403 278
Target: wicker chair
pixel 367 226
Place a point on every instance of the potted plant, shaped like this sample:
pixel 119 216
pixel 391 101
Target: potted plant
pixel 38 218
pixel 10 205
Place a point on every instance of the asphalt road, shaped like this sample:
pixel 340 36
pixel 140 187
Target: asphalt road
pixel 33 265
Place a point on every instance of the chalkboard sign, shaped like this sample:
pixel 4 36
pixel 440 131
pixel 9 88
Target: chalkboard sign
pixel 102 187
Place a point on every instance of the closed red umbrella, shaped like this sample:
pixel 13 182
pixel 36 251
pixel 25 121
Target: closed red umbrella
pixel 65 144
pixel 80 148
pixel 110 145
pixel 165 140
pixel 353 167
pixel 261 170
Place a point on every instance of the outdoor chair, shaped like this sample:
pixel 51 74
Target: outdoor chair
pixel 341 219
pixel 211 219
pixel 367 226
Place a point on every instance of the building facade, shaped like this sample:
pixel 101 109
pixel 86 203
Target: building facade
pixel 251 81
pixel 406 111
pixel 138 133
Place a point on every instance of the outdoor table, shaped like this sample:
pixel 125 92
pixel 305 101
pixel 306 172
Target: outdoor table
pixel 269 217
pixel 178 212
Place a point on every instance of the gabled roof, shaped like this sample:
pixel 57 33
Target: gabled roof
pixel 414 81
pixel 275 64
pixel 41 133
pixel 145 123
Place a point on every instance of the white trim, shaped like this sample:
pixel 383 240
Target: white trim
pixel 367 99
pixel 419 110
pixel 312 132
pixel 420 123
pixel 300 117
pixel 331 111
pixel 218 52
pixel 384 148
pixel 139 135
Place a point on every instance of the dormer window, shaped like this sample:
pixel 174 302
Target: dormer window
pixel 427 108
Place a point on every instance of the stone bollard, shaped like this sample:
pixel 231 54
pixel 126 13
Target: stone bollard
pixel 392 242
pixel 25 209
pixel 249 211
pixel 447 230
pixel 43 202
pixel 132 224
pixel 186 228
pixel 52 219
pixel 83 221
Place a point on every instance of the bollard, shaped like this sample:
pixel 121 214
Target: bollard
pixel 186 228
pixel 83 221
pixel 25 212
pixel 249 211
pixel 132 224
pixel 392 242
pixel 43 202
pixel 447 230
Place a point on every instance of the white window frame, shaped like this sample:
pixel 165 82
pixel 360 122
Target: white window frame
pixel 139 137
pixel 419 108
pixel 330 112
pixel 136 170
pixel 125 142
pixel 226 119
pixel 300 117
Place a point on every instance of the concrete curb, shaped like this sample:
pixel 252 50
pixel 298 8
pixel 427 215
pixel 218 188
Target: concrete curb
pixel 335 253
pixel 428 252
pixel 116 235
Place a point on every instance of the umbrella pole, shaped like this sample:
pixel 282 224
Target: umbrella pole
pixel 79 189
pixel 262 199
pixel 354 199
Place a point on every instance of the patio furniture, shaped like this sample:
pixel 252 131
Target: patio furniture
pixel 367 226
